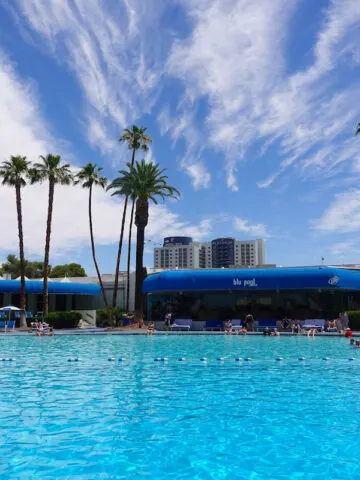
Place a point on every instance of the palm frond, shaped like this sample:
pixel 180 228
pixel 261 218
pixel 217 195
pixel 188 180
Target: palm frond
pixel 143 180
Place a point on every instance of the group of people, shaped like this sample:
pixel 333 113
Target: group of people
pixel 42 328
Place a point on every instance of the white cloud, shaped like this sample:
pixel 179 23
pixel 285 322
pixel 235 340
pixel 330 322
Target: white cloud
pixel 236 59
pixel 346 248
pixel 21 118
pixel 200 176
pixel 342 216
pixel 103 44
pixel 258 229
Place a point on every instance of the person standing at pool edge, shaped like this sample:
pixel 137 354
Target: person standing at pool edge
pixel 249 320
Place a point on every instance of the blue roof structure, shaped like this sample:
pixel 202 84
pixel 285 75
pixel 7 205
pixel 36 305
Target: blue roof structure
pixel 253 279
pixel 60 288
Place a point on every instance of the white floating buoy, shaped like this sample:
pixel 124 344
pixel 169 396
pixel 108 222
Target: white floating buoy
pixel 111 359
pixel 182 359
pixel 325 358
pixel 220 359
pixel 302 358
pixel 351 359
pixel 247 359
pixel 164 359
pixel 238 359
pixel 158 359
pixel 203 359
pixel 279 359
pixel 121 359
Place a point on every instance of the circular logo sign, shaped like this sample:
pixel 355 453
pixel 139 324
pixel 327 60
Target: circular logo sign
pixel 334 280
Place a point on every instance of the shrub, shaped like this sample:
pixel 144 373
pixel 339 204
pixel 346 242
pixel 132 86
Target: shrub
pixel 64 319
pixel 116 317
pixel 354 319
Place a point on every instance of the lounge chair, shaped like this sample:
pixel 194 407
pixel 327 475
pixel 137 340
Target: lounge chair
pixel 11 325
pixel 2 324
pixel 266 323
pixel 213 325
pixel 236 324
pixel 181 323
pixel 317 323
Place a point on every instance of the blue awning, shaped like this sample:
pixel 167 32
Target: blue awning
pixel 253 279
pixel 60 288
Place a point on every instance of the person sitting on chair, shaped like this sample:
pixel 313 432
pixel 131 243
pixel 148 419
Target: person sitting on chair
pixel 228 327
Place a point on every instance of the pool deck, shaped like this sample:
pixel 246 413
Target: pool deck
pixel 143 331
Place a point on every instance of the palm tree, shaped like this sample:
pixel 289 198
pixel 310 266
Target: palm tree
pixel 50 169
pixel 90 176
pixel 143 182
pixel 14 173
pixel 358 129
pixel 136 139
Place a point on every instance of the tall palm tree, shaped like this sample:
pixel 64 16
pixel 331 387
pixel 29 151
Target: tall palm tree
pixel 358 129
pixel 143 182
pixel 90 176
pixel 14 173
pixel 136 139
pixel 50 169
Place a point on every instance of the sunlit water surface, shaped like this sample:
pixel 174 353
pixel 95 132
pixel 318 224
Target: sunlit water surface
pixel 262 419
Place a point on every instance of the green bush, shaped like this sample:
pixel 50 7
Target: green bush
pixel 64 319
pixel 112 318
pixel 354 319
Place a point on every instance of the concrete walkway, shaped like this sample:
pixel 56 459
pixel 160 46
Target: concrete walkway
pixel 143 331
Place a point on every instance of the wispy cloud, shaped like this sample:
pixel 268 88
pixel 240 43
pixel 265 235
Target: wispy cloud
pixel 21 118
pixel 103 44
pixel 343 214
pixel 236 59
pixel 256 230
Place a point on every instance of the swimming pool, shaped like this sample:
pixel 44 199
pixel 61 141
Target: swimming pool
pixel 256 420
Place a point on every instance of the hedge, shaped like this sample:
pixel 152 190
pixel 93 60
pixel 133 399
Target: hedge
pixel 117 317
pixel 64 319
pixel 354 319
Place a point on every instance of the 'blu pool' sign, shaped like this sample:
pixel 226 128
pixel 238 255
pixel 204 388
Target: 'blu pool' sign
pixel 251 282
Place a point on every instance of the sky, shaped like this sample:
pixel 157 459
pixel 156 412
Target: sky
pixel 252 106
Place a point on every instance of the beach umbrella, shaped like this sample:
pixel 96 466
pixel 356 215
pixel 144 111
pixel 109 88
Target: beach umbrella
pixel 10 308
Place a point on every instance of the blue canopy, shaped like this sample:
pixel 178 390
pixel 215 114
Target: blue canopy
pixel 62 288
pixel 253 279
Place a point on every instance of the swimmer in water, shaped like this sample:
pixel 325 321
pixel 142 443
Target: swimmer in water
pixel 352 341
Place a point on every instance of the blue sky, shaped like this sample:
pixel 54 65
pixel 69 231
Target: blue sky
pixel 252 106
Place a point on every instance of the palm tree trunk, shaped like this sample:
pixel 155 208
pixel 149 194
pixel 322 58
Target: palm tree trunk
pixel 141 220
pixel 129 256
pixel 116 283
pixel 47 248
pixel 93 250
pixel 22 266
pixel 119 253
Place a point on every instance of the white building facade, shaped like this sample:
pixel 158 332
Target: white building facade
pixel 182 252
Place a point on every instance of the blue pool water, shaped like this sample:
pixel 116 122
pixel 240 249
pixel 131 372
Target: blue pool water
pixel 181 420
